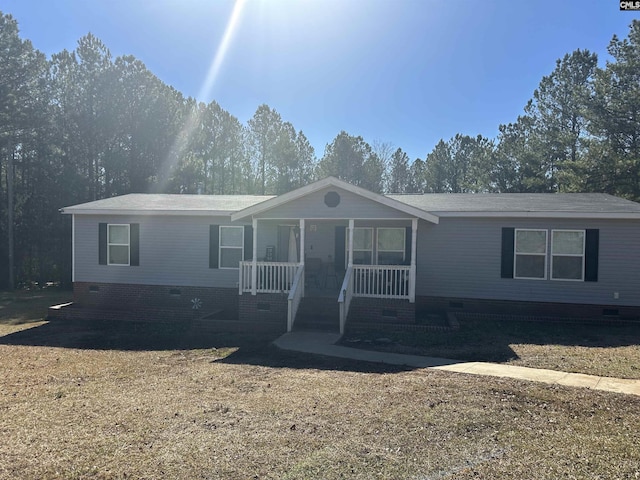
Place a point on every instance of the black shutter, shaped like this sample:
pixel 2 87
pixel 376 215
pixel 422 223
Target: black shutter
pixel 134 236
pixel 506 266
pixel 592 246
pixel 248 242
pixel 341 235
pixel 407 246
pixel 214 242
pixel 102 243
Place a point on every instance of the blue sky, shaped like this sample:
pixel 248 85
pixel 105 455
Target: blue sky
pixel 406 72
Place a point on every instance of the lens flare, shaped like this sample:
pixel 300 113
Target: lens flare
pixel 182 140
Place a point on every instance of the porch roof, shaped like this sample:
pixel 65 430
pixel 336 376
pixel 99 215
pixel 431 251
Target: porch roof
pixel 274 202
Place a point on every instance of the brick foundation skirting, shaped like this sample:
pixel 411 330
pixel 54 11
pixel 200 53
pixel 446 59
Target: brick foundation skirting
pixel 521 309
pixel 115 296
pixel 381 310
pixel 264 307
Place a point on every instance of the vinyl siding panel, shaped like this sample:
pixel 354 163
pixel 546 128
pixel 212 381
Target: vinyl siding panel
pixel 461 258
pixel 173 251
pixel 351 206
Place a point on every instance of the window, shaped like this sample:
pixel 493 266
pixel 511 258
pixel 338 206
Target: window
pixel 118 242
pixel 391 243
pixel 362 246
pixel 567 254
pixel 231 246
pixel 530 254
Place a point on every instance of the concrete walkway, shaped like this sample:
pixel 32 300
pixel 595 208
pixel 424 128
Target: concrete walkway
pixel 324 344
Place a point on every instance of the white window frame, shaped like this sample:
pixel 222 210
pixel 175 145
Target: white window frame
pixel 404 242
pixel 128 244
pixel 359 249
pixel 220 246
pixel 584 239
pixel 516 253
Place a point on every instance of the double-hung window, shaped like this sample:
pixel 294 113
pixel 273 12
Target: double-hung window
pixel 118 244
pixel 391 243
pixel 567 254
pixel 231 246
pixel 530 251
pixel 362 245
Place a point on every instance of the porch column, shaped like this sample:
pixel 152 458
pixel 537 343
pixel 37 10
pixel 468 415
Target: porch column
pixel 412 269
pixel 302 241
pixel 254 267
pixel 350 258
pixel 302 227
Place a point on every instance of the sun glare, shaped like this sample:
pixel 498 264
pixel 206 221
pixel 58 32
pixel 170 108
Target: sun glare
pixel 192 120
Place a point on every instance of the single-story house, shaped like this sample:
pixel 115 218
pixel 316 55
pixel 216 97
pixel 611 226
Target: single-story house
pixel 359 255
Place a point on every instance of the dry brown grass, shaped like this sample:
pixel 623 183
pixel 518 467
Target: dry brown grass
pixel 604 350
pixel 109 400
pixel 202 405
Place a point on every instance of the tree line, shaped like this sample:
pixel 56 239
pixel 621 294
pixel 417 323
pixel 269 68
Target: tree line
pixel 83 125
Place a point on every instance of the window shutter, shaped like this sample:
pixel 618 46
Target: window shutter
pixel 214 243
pixel 506 266
pixel 248 242
pixel 134 252
pixel 407 246
pixel 341 235
pixel 592 246
pixel 102 243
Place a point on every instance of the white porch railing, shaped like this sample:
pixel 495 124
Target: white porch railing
pixel 271 277
pixel 295 296
pixel 381 281
pixel 344 299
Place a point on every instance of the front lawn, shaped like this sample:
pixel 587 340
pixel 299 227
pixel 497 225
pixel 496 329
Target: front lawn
pixel 22 309
pixel 135 401
pixel 604 350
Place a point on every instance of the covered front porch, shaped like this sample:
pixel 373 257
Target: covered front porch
pixel 339 259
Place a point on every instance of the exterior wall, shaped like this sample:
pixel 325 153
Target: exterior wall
pixel 116 296
pixel 460 258
pixel 174 250
pixel 351 206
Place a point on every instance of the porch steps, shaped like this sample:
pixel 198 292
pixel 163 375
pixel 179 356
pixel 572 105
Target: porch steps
pixel 318 314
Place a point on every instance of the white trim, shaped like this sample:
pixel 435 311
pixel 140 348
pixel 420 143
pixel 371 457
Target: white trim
pixel 515 252
pixel 437 214
pixel 580 215
pixel 336 183
pixel 338 219
pixel 73 248
pixel 128 245
pixel 124 211
pixel 582 255
pixel 220 246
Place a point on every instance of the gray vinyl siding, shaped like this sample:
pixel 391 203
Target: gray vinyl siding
pixel 460 257
pixel 174 250
pixel 351 206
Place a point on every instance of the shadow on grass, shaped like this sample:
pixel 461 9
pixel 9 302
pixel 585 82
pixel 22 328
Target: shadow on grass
pixel 491 340
pixel 247 348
